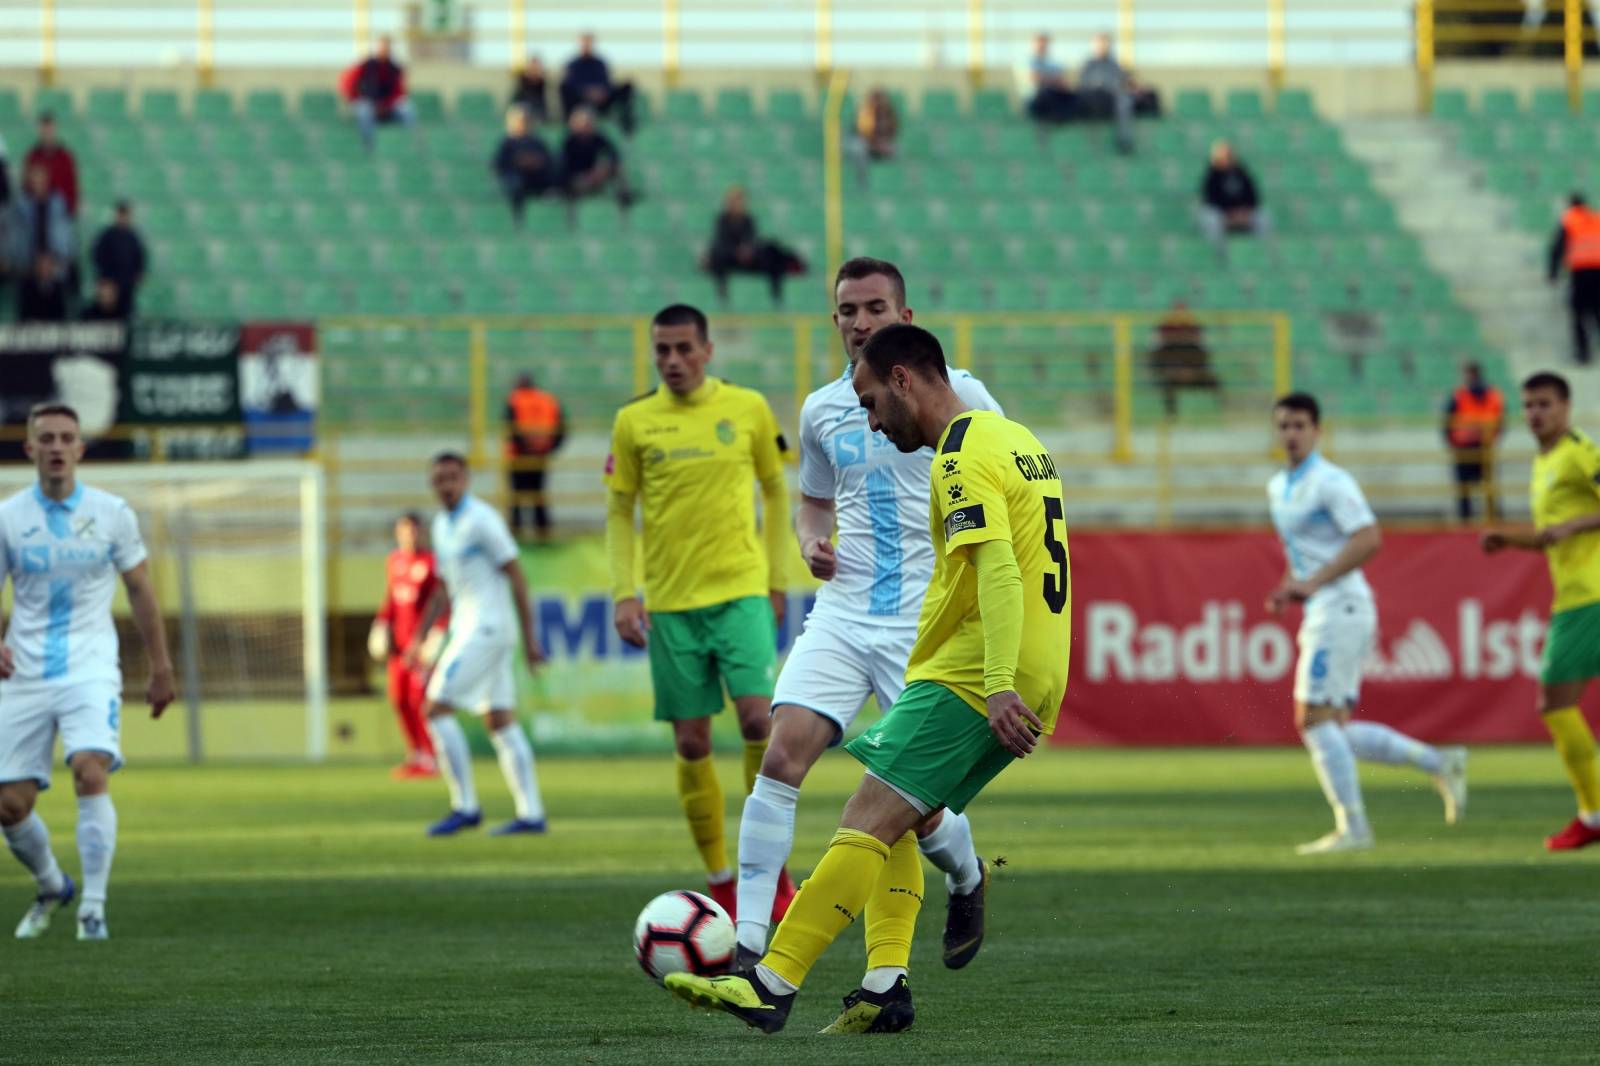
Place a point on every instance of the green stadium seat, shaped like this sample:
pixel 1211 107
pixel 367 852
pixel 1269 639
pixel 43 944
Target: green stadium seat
pixel 735 105
pixel 940 105
pixel 213 105
pixel 684 105
pixel 1499 103
pixel 58 102
pixel 1450 104
pixel 1294 103
pixel 10 108
pixel 265 105
pixel 475 105
pixel 107 105
pixel 1244 103
pixel 159 105
pixel 318 105
pixel 428 105
pixel 787 105
pixel 1192 104
pixel 1549 103
pixel 993 104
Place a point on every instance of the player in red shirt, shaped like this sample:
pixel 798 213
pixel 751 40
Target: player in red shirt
pixel 411 580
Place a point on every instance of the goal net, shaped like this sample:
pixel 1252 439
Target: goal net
pixel 236 554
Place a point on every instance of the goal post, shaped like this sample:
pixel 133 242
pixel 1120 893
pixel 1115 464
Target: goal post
pixel 238 557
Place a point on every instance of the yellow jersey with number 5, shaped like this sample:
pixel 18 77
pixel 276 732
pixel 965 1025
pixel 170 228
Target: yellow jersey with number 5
pixel 993 480
pixel 1566 485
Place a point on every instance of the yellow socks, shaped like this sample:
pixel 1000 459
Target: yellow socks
pixel 701 795
pixel 1575 744
pixel 754 752
pixel 832 896
pixel 893 906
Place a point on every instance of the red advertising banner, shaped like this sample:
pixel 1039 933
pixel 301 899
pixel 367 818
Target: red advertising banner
pixel 1172 643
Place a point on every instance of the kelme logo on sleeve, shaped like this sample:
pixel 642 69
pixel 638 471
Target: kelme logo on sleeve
pixel 963 520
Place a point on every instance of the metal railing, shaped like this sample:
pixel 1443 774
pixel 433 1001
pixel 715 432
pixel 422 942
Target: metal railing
pixel 1506 28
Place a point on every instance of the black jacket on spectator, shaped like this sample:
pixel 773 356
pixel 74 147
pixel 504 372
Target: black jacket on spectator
pixel 119 255
pixel 530 95
pixel 732 232
pixel 378 80
pixel 579 155
pixel 587 72
pixel 41 301
pixel 511 148
pixel 1229 189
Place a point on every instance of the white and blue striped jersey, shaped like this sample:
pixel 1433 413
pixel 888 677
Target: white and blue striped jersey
pixel 64 558
pixel 470 545
pixel 1316 507
pixel 880 494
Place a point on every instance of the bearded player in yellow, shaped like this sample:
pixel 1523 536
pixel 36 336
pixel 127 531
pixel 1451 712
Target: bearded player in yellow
pixel 985 678
pixel 1566 519
pixel 693 450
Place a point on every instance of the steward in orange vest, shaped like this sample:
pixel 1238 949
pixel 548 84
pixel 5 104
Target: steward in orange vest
pixel 1473 421
pixel 535 427
pixel 1576 245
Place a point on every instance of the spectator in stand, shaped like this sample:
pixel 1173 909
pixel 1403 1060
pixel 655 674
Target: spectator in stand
pixel 877 128
pixel 42 296
pixel 119 257
pixel 376 89
pixel 1180 359
pixel 587 85
pixel 1106 91
pixel 590 162
pixel 1229 202
pixel 737 249
pixel 529 91
pixel 535 428
pixel 1053 100
pixel 107 303
pixel 1474 418
pixel 57 160
pixel 523 163
pixel 1577 245
pixel 39 225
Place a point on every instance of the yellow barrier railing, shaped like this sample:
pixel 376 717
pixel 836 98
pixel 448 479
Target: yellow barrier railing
pixel 1499 28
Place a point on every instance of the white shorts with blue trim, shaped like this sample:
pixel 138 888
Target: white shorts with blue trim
pixel 1335 642
pixel 87 715
pixel 836 664
pixel 474 674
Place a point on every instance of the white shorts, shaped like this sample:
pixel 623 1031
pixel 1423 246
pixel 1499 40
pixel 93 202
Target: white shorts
pixel 86 714
pixel 1335 642
pixel 474 674
pixel 835 665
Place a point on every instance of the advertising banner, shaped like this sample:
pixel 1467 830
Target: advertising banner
pixel 278 386
pixel 77 363
pixel 184 378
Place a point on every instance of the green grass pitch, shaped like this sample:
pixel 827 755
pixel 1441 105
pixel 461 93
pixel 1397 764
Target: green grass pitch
pixel 1151 910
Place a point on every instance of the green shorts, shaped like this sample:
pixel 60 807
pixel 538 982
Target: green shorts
pixel 693 654
pixel 931 745
pixel 1572 646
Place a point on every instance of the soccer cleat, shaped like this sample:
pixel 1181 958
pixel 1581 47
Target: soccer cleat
pixel 454 822
pixel 739 994
pixel 518 825
pixel 875 1012
pixel 93 927
pixel 419 769
pixel 37 920
pixel 784 897
pixel 725 894
pixel 1575 835
pixel 745 959
pixel 1451 781
pixel 1337 841
pixel 963 922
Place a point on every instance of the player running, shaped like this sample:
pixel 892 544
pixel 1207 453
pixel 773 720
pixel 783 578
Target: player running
pixel 855 645
pixel 1328 532
pixel 412 578
pixel 478 561
pixel 691 449
pixel 1566 517
pixel 64 544
pixel 987 673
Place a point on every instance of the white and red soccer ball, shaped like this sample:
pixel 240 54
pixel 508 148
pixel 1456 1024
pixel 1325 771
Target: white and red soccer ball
pixel 683 932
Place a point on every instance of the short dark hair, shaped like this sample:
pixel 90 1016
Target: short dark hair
pixel 450 456
pixel 51 407
pixel 414 517
pixel 683 315
pixel 1547 379
pixel 903 344
pixel 1301 401
pixel 864 266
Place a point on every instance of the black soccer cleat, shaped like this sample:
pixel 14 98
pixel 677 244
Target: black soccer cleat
pixel 739 994
pixel 745 959
pixel 875 1012
pixel 963 922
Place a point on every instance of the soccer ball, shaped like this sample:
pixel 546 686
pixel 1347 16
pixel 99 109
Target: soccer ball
pixel 683 932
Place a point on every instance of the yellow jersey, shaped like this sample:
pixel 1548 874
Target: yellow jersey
pixel 1566 485
pixel 693 461
pixel 993 480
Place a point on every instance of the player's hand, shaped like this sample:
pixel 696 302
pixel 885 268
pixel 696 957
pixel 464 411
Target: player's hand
pixel 1278 600
pixel 413 655
pixel 7 667
pixel 780 606
pixel 1009 718
pixel 632 621
pixel 1493 541
pixel 532 654
pixel 379 646
pixel 820 558
pixel 160 693
pixel 1554 534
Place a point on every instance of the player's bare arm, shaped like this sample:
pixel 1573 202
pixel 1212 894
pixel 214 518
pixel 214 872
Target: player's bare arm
pixel 438 603
pixel 1362 546
pixel 147 619
pixel 628 616
pixel 531 652
pixel 7 667
pixel 814 522
pixel 1498 540
pixel 1564 530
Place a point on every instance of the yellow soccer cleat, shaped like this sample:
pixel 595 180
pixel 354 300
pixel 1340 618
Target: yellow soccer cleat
pixel 739 994
pixel 875 1012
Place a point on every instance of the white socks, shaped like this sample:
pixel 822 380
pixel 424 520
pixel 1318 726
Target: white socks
pixel 1335 765
pixel 29 841
pixel 516 763
pixel 1378 743
pixel 776 983
pixel 97 843
pixel 455 762
pixel 949 847
pixel 882 978
pixel 766 836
